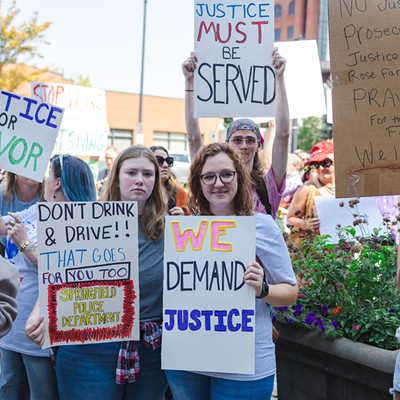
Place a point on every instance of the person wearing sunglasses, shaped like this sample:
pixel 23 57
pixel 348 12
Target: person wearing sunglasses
pixel 302 213
pixel 220 185
pixel 176 196
pixel 245 137
pixel 27 371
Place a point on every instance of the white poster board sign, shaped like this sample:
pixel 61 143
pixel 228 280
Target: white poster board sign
pixel 84 129
pixel 209 313
pixel 234 44
pixel 303 78
pixel 28 131
pixel 88 271
pixel 331 214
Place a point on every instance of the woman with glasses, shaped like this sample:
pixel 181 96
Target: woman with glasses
pixel 125 370
pixel 26 370
pixel 245 137
pixel 176 196
pixel 302 214
pixel 220 185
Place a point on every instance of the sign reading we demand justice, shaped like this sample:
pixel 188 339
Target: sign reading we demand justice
pixel 88 271
pixel 365 65
pixel 28 131
pixel 234 42
pixel 209 312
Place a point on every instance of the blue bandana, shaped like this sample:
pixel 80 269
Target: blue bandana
pixel 243 124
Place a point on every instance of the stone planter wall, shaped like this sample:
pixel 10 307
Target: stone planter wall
pixel 312 367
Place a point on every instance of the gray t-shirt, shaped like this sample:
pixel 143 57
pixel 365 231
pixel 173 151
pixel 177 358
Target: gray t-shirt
pixel 151 259
pixel 272 251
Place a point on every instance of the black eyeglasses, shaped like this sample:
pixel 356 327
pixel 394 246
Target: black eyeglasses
pixel 324 163
pixel 168 160
pixel 238 140
pixel 224 176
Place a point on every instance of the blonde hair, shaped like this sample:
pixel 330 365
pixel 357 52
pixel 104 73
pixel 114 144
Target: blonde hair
pixel 10 180
pixel 152 216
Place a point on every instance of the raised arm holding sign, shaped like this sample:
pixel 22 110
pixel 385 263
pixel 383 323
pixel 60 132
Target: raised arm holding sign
pixel 270 186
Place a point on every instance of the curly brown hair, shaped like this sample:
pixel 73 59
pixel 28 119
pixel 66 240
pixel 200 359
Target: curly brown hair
pixel 152 217
pixel 242 201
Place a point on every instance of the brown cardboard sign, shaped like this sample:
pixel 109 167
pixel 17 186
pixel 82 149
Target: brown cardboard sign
pixel 365 67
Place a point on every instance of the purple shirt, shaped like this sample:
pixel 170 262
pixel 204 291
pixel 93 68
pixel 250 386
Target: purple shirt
pixel 274 194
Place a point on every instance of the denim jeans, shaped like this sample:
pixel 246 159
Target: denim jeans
pixel 88 372
pixel 189 386
pixel 27 377
pixel 396 377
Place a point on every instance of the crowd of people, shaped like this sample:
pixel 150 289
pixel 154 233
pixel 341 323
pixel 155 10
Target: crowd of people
pixel 225 179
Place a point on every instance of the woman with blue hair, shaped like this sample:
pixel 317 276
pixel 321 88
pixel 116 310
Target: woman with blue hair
pixel 26 370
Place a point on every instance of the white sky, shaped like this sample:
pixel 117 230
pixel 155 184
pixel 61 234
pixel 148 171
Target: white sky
pixel 102 39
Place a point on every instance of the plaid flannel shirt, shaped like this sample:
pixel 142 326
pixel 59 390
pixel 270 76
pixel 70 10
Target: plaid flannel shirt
pixel 128 364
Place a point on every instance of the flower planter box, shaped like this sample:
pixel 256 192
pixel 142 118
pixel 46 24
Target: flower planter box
pixel 310 366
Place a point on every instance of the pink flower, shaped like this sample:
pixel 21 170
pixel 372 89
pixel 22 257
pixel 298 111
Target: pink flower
pixel 356 327
pixel 301 295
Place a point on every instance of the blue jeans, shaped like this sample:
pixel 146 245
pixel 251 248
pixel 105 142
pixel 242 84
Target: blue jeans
pixel 189 386
pixel 396 377
pixel 88 371
pixel 27 377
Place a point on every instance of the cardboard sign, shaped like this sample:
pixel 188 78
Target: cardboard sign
pixel 332 214
pixel 88 271
pixel 209 312
pixel 234 44
pixel 84 129
pixel 28 131
pixel 365 65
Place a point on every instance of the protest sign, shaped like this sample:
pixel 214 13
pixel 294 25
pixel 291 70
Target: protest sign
pixel 303 78
pixel 88 271
pixel 365 66
pixel 28 131
pixel 209 312
pixel 333 212
pixel 84 129
pixel 234 44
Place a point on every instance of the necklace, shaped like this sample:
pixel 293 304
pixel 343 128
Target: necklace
pixel 23 200
pixel 329 189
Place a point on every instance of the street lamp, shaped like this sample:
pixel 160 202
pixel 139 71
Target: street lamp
pixel 139 133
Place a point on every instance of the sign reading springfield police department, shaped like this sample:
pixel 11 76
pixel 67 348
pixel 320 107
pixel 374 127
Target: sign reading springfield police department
pixel 88 271
pixel 365 66
pixel 28 132
pixel 209 312
pixel 234 42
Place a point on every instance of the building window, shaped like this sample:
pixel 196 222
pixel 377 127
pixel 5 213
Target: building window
pixel 277 34
pixel 171 141
pixel 278 11
pixel 291 8
pixel 120 138
pixel 290 32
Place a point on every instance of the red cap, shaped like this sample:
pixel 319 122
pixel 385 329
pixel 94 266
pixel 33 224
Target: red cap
pixel 320 151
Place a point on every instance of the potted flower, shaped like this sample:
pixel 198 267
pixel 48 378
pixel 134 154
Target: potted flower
pixel 348 300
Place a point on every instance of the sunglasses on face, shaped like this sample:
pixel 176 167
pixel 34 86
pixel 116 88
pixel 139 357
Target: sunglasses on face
pixel 168 160
pixel 238 140
pixel 324 163
pixel 225 177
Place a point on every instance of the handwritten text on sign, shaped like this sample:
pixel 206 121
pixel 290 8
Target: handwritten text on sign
pixel 28 131
pixel 88 271
pixel 234 44
pixel 85 128
pixel 365 64
pixel 205 299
